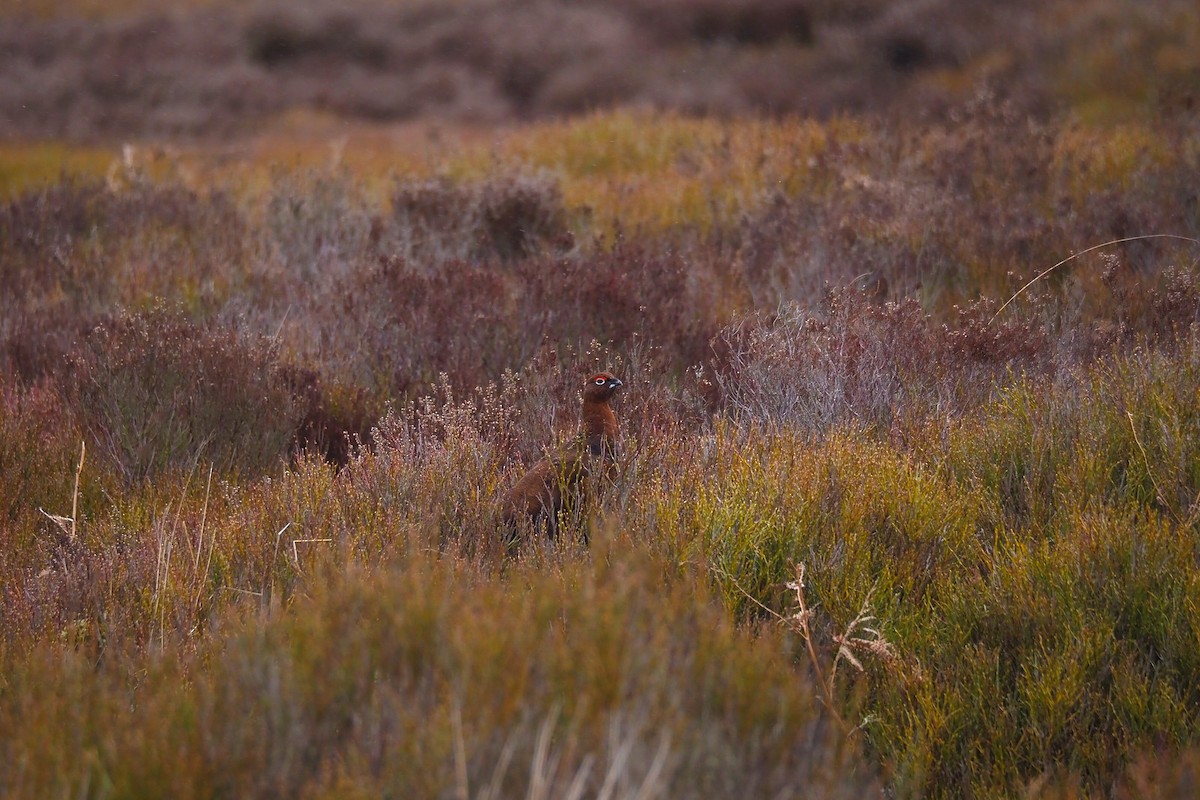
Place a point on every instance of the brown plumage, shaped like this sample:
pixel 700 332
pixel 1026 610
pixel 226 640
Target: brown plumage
pixel 551 484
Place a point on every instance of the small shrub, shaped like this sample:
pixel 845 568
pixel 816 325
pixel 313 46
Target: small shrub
pixel 866 364
pixel 432 222
pixel 80 247
pixel 507 218
pixel 281 38
pixel 336 419
pixel 157 393
pixel 394 327
pixel 522 215
pixel 316 227
pixel 1088 434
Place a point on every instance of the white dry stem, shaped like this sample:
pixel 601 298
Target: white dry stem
pixel 69 525
pixel 850 647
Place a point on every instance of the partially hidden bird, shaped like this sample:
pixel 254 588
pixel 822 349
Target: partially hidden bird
pixel 555 483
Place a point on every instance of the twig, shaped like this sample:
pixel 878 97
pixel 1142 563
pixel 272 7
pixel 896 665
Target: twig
pixel 211 545
pixel 279 330
pixel 269 588
pixel 68 525
pixel 75 492
pixel 296 554
pixel 748 596
pixel 800 621
pixel 1158 492
pixel 801 618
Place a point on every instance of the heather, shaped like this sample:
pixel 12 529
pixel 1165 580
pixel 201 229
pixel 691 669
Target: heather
pixel 908 495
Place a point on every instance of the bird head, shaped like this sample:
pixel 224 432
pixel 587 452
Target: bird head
pixel 601 387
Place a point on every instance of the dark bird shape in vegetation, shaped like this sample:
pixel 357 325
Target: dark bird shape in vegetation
pixel 555 482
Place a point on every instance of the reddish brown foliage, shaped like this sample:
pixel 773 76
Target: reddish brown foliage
pixel 474 320
pixel 156 392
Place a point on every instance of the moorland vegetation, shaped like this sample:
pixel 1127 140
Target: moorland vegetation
pixel 873 530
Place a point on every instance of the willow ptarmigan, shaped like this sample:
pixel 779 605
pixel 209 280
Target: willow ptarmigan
pixel 553 483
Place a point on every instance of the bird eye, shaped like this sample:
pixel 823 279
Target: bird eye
pixel 600 380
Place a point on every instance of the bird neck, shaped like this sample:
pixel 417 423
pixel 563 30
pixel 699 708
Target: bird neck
pixel 599 421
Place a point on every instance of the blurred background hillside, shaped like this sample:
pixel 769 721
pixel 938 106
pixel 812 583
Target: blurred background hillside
pixel 98 69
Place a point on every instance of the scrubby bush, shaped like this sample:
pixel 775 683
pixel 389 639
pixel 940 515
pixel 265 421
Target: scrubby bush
pixel 507 217
pixel 79 246
pixel 396 325
pixel 158 393
pixel 316 229
pixel 762 23
pixel 1031 563
pixel 875 366
pixel 39 450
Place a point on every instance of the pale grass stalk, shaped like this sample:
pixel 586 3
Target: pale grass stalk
pixel 649 787
pixel 269 583
pixel 158 554
pixel 162 614
pixel 75 491
pixel 1083 252
pixel 1158 492
pixel 579 782
pixel 462 787
pixel 544 768
pixel 541 772
pixel 616 768
pixel 182 501
pixel 69 525
pixel 202 577
pixel 163 557
pixel 203 518
pixel 492 792
pixel 162 580
pixel 163 560
pixel 296 553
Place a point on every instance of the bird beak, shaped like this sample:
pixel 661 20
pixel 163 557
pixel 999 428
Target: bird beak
pixel 615 383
